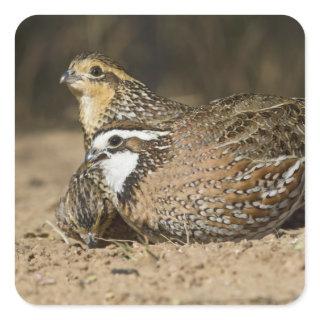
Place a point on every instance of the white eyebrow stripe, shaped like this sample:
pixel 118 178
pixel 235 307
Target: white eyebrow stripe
pixel 100 142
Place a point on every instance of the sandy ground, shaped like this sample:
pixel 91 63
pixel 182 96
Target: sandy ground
pixel 48 271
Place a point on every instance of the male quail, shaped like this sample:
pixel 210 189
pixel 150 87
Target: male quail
pixel 230 170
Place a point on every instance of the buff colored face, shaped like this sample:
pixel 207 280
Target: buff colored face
pixel 83 76
pixel 86 76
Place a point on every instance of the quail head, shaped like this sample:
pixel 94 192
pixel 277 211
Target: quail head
pixel 230 170
pixel 85 212
pixel 106 92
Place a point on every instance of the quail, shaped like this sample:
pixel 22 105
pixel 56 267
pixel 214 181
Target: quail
pixel 106 93
pixel 85 212
pixel 262 134
pixel 229 170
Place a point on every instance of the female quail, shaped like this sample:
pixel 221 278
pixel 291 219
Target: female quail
pixel 106 93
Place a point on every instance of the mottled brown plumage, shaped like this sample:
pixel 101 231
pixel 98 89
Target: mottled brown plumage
pixel 228 170
pixel 85 212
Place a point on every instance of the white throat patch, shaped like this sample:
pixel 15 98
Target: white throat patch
pixel 118 168
pixel 121 164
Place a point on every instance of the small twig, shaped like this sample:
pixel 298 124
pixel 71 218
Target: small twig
pixel 291 232
pixel 186 229
pixel 143 239
pixel 154 256
pixel 178 240
pixel 115 240
pixel 57 230
pixel 126 249
pixel 122 245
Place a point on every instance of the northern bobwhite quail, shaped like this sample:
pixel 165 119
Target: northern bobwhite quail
pixel 230 170
pixel 85 212
pixel 106 93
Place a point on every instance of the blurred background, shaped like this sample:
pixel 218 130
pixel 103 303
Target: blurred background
pixel 192 59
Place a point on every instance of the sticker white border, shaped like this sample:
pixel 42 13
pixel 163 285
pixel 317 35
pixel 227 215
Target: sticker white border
pixel 14 12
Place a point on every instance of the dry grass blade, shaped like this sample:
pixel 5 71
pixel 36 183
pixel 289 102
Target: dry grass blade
pixel 115 240
pixel 126 249
pixel 57 230
pixel 153 255
pixel 186 229
pixel 175 239
pixel 122 245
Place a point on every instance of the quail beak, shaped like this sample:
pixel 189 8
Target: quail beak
pixel 92 157
pixel 89 157
pixel 69 77
pixel 89 240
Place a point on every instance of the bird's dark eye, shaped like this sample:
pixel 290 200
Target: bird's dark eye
pixel 115 141
pixel 96 71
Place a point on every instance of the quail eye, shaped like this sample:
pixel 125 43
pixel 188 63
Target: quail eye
pixel 96 71
pixel 115 141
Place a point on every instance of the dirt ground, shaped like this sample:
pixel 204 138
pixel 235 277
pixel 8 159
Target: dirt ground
pixel 48 271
